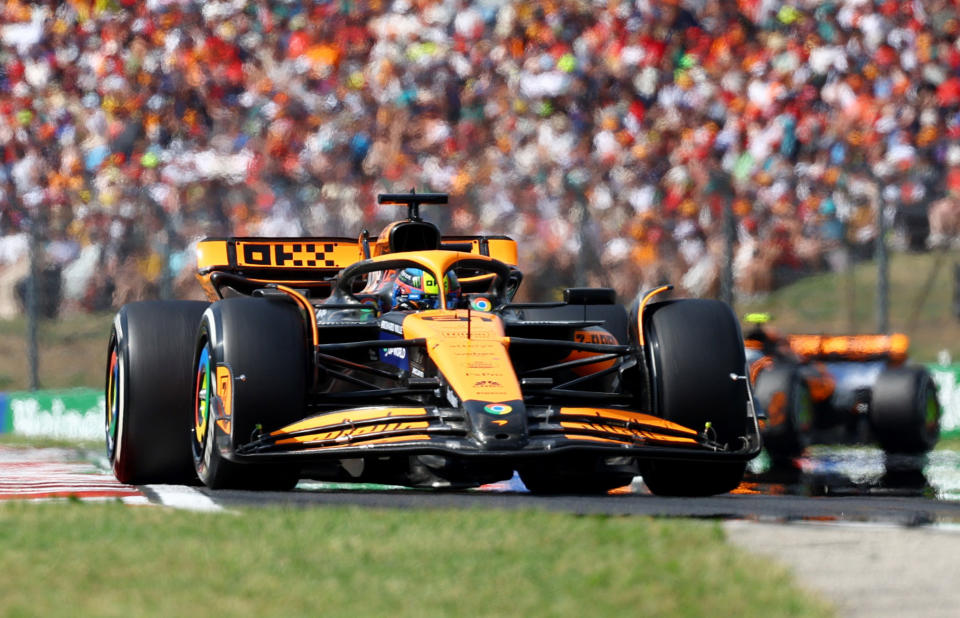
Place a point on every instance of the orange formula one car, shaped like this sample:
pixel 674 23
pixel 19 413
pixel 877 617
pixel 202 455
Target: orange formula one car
pixel 402 359
pixel 840 389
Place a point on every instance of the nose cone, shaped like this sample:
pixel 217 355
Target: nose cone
pixel 496 426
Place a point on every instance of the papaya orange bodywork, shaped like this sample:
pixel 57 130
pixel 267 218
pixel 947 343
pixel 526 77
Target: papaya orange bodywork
pixel 301 300
pixel 854 347
pixel 347 416
pixel 643 304
pixel 470 351
pixel 591 336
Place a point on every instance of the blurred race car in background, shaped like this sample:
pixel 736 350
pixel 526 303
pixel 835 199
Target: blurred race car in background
pixel 839 389
pixel 404 360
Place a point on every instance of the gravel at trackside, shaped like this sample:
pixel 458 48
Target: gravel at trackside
pixel 864 570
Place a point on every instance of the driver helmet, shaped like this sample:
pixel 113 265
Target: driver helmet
pixel 420 288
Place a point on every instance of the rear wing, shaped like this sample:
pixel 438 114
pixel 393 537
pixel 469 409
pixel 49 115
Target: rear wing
pixel 310 256
pixel 498 247
pixel 245 264
pixel 238 266
pixel 851 347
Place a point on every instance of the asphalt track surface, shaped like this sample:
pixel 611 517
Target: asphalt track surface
pixel 850 485
pixel 840 485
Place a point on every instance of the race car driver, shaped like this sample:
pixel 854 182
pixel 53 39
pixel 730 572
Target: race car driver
pixel 412 289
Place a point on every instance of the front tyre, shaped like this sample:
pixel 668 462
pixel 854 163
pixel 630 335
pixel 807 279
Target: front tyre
pixel 148 394
pixel 904 411
pixel 785 396
pixel 694 346
pixel 250 376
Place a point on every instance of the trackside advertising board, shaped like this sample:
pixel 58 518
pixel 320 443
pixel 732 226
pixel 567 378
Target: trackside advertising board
pixel 71 414
pixel 947 378
pixel 77 413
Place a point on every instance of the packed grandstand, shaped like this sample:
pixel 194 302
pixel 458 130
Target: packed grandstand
pixel 607 136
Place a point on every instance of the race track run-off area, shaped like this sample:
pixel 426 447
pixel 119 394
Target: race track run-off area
pixel 34 474
pixel 835 485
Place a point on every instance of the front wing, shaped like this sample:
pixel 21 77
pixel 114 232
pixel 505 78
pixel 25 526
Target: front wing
pixel 550 429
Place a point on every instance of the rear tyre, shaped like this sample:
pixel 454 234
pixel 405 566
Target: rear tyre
pixel 905 412
pixel 695 345
pixel 783 394
pixel 147 394
pixel 262 344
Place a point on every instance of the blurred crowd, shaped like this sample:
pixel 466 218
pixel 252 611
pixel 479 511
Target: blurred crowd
pixel 621 143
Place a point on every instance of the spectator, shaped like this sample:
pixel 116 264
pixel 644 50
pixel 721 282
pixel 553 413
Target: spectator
pixel 615 135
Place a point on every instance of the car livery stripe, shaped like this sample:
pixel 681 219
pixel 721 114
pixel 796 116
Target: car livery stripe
pixel 624 434
pixel 348 416
pixel 594 439
pixel 625 416
pixel 369 442
pixel 643 304
pixel 306 306
pixel 356 434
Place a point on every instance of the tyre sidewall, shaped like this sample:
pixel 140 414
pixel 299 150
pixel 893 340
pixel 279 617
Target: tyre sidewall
pixel 898 411
pixel 694 346
pixel 152 341
pixel 262 344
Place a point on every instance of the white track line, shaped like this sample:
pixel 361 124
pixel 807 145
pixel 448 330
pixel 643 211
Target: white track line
pixel 183 497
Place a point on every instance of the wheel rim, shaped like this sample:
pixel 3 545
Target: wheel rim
pixel 113 403
pixel 201 400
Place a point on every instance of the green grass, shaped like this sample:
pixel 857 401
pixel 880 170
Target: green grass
pixel 111 560
pixel 949 443
pixel 18 441
pixel 72 351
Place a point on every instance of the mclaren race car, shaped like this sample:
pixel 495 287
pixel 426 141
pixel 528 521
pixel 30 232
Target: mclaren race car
pixel 403 360
pixel 839 389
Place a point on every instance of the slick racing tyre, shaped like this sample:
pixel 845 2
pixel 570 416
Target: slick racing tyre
pixel 148 398
pixel 904 411
pixel 695 345
pixel 782 393
pixel 250 372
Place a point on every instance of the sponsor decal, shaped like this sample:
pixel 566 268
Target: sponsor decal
pixel 588 336
pixel 397 352
pixel 395 356
pixel 75 414
pixel 225 389
pixel 481 304
pixel 391 327
pixel 286 254
pixel 480 364
pixel 497 409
